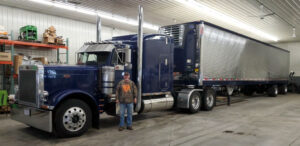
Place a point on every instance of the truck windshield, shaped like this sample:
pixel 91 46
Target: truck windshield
pixel 93 58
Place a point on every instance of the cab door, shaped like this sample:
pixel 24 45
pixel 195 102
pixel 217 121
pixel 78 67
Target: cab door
pixel 164 73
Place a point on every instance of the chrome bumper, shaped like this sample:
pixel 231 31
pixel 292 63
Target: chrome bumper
pixel 38 118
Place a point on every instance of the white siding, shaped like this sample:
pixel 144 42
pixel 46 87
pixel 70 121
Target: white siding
pixel 294 48
pixel 78 32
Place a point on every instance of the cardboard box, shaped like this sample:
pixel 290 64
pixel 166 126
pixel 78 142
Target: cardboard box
pixel 5 56
pixel 52 29
pixel 50 37
pixel 59 41
pixel 44 60
pixel 18 60
pixel 48 40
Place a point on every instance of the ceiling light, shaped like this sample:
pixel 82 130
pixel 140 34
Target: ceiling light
pixel 294 32
pixel 261 7
pixel 105 15
pixel 227 19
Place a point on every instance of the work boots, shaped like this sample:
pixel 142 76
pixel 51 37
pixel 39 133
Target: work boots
pixel 121 128
pixel 129 128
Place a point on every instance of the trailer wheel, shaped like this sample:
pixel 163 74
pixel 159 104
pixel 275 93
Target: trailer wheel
pixel 194 102
pixel 273 91
pixel 208 99
pixel 72 118
pixel 283 89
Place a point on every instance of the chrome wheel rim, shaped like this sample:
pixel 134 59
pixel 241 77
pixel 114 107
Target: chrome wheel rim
pixel 74 119
pixel 285 89
pixel 195 102
pixel 276 91
pixel 210 100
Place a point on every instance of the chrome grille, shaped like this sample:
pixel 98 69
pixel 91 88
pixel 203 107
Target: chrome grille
pixel 31 85
pixel 175 31
pixel 28 87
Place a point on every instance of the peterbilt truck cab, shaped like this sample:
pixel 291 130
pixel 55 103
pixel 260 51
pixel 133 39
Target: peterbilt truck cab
pixel 68 99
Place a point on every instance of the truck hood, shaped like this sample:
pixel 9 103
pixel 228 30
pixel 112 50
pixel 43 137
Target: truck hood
pixel 61 78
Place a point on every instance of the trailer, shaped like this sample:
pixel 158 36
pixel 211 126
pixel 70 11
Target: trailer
pixel 181 69
pixel 210 58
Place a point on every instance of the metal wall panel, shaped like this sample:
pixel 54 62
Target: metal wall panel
pixel 78 32
pixel 229 56
pixel 294 48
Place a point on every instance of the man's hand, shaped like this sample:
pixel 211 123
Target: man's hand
pixel 117 101
pixel 135 100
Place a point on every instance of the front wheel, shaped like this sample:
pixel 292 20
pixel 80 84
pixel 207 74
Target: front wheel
pixel 72 118
pixel 208 99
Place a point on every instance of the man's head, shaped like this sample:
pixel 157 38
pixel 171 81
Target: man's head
pixel 126 76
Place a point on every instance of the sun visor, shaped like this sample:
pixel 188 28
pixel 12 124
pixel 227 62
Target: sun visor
pixel 97 48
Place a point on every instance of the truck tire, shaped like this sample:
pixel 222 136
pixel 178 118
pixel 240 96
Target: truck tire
pixel 273 91
pixel 72 118
pixel 208 99
pixel 195 102
pixel 283 89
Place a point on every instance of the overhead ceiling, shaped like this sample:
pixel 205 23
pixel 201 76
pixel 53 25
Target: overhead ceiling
pixel 165 12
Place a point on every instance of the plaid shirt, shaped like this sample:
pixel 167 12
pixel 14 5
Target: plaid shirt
pixel 126 91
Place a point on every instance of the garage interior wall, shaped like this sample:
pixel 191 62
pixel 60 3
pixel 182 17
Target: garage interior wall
pixel 78 32
pixel 294 48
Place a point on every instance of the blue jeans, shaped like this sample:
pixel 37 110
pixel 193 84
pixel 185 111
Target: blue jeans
pixel 123 107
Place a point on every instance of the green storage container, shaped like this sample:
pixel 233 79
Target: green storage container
pixel 3 98
pixel 28 32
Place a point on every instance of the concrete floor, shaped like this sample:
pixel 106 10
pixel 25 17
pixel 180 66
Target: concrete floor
pixel 259 121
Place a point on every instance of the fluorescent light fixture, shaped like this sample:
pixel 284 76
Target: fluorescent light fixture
pixel 227 19
pixel 102 14
pixel 294 32
pixel 43 2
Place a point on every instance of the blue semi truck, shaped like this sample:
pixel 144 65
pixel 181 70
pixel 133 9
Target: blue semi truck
pixel 183 68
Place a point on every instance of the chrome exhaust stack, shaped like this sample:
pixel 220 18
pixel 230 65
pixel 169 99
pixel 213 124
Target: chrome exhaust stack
pixel 140 59
pixel 98 25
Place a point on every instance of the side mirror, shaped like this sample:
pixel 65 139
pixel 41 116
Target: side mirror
pixel 292 73
pixel 127 56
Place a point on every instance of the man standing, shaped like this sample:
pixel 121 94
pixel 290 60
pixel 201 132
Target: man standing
pixel 126 94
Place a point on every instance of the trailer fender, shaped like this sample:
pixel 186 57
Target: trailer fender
pixel 184 96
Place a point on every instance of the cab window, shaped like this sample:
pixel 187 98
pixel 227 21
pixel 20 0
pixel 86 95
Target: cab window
pixel 97 58
pixel 118 58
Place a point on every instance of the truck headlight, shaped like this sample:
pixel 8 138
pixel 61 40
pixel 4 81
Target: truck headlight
pixel 44 96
